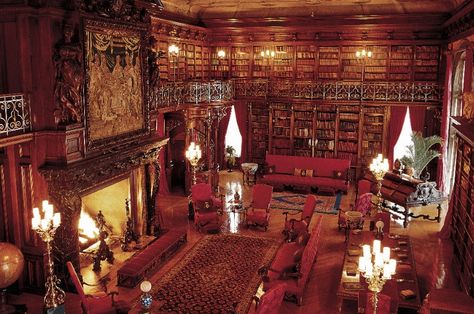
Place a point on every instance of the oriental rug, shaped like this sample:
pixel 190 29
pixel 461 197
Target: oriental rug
pixel 218 275
pixel 295 201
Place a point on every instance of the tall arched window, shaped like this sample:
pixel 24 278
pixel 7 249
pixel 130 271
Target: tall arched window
pixel 233 137
pixel 404 140
pixel 454 110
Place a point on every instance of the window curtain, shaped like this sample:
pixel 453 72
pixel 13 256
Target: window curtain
pixel 397 117
pixel 241 115
pixel 222 130
pixel 164 189
pixel 445 123
pixel 417 118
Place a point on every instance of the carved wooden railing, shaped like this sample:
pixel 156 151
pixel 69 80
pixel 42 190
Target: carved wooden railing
pixel 191 92
pixel 339 90
pixel 172 94
pixel 15 114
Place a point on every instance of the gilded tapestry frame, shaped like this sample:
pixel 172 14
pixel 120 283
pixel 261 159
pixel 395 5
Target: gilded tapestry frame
pixel 116 95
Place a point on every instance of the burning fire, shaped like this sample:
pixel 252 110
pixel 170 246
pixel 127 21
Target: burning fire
pixel 87 228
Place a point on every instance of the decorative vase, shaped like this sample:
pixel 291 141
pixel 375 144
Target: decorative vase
pixel 146 298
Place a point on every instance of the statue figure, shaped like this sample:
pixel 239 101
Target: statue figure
pixel 69 80
pixel 153 67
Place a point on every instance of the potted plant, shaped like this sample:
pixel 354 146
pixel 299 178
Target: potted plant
pixel 230 157
pixel 420 153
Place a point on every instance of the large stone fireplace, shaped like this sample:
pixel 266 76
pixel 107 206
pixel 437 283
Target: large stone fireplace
pixel 103 183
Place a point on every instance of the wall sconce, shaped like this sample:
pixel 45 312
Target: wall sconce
pixel 221 54
pixel 46 228
pixel 173 50
pixel 267 53
pixel 379 167
pixel 363 53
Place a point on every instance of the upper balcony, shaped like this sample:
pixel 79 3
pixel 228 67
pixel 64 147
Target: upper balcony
pixel 15 115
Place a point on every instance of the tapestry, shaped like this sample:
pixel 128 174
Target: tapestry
pixel 220 271
pixel 294 201
pixel 114 82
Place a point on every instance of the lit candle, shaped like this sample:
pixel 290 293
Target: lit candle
pixel 378 259
pixel 379 158
pixel 368 269
pixel 44 224
pixel 44 205
pixel 362 263
pixel 376 246
pixel 393 266
pixel 48 213
pixel 35 221
pixel 57 219
pixel 386 254
pixel 366 251
pixel 387 272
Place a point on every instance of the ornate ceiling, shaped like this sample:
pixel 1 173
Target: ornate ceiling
pixel 210 9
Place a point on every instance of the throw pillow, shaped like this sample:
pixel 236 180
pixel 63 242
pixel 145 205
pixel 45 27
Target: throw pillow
pixel 309 172
pixel 297 172
pixel 338 174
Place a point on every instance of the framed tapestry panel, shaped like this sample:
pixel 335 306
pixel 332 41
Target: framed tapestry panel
pixel 116 105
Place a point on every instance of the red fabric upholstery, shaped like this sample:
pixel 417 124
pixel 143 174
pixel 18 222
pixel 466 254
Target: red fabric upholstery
pixel 259 213
pixel 323 171
pixel 206 205
pixel 447 301
pixel 271 301
pixel 363 186
pixel 100 303
pixel 300 225
pixel 385 218
pixel 384 304
pixel 363 205
pixel 295 285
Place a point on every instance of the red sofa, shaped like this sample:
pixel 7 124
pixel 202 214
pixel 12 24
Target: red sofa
pixel 328 173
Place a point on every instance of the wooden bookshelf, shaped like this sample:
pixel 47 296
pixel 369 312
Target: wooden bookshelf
pixel 240 62
pixel 376 67
pixel 262 67
pixel 190 62
pixel 198 62
pixel 206 57
pixel 258 123
pixel 305 62
pixel 352 66
pixel 328 66
pixel 283 62
pixel 281 125
pixel 220 67
pixel 163 62
pixel 303 129
pixel 325 137
pixel 373 133
pixel 462 223
pixel 426 63
pixel 401 62
pixel 348 132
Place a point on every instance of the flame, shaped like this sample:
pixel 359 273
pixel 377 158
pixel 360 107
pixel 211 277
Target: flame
pixel 87 228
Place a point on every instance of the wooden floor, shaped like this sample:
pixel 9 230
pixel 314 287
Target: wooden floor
pixel 431 254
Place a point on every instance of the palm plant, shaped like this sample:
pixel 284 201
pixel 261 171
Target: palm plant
pixel 420 153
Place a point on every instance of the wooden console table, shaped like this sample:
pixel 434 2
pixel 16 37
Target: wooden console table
pixel 407 194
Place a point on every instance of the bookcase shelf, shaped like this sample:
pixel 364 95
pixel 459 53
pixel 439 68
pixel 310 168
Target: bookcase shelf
pixel 220 67
pixel 258 122
pixel 240 62
pixel 283 62
pixel 326 117
pixel 305 62
pixel 373 134
pixel 401 62
pixel 463 214
pixel 351 66
pixel 281 125
pixel 376 67
pixel 426 63
pixel 328 67
pixel 348 132
pixel 303 129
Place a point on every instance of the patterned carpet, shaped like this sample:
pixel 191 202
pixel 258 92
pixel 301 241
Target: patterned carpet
pixel 294 201
pixel 219 271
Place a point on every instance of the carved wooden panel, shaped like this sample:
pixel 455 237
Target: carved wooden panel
pixel 25 203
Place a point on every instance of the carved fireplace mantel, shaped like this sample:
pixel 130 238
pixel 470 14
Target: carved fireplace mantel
pixel 66 184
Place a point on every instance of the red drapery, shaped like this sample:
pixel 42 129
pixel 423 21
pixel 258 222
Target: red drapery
pixel 241 115
pixel 417 118
pixel 397 117
pixel 222 130
pixel 164 190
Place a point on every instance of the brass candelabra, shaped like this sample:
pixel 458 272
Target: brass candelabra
pixel 376 267
pixel 46 228
pixel 193 154
pixel 379 167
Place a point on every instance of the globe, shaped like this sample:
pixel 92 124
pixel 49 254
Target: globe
pixel 11 264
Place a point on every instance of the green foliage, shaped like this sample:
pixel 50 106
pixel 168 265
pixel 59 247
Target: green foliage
pixel 230 155
pixel 420 153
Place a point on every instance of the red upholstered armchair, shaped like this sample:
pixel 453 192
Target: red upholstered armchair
pixel 206 206
pixel 259 211
pixel 363 205
pixel 293 227
pixel 100 303
pixel 270 302
pixel 385 304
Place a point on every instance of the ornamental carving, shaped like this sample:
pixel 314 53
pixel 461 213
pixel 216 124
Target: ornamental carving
pixel 120 10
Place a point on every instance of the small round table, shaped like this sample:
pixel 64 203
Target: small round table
pixel 249 171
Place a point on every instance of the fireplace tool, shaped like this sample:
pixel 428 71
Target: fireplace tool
pixel 130 235
pixel 104 252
